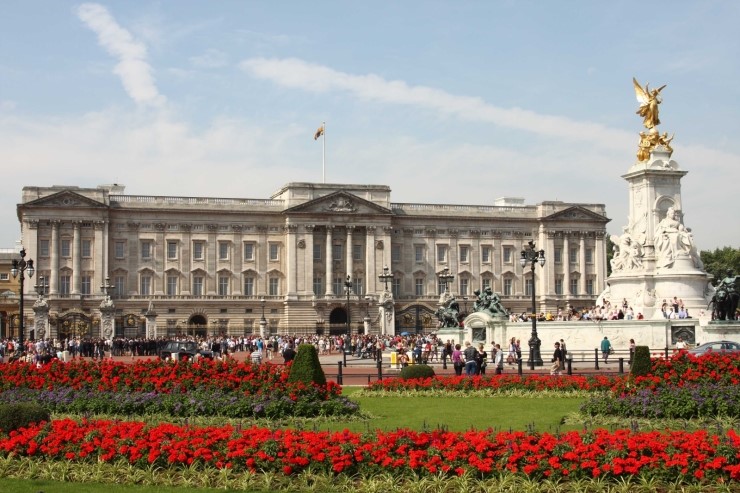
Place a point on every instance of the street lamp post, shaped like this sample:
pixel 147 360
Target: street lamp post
pixel 386 276
pixel 531 256
pixel 42 288
pixel 345 340
pixel 21 267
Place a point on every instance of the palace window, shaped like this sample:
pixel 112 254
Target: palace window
pixel 274 286
pixel 464 251
pixel 486 254
pixel 145 285
pixel 249 286
pixel 419 287
pixel 249 251
pixel 86 248
pixel 274 252
pixel 171 285
pixel 171 250
pixel 199 248
pixel 507 254
pixel 146 250
pixel 120 249
pixel 198 285
pixel 66 248
pixel 224 282
pixel 419 254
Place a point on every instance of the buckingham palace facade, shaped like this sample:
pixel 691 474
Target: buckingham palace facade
pixel 209 265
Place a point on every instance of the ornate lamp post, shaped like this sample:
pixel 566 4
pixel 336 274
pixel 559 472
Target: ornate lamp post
pixel 446 278
pixel 42 288
pixel 21 267
pixel 345 341
pixel 263 321
pixel 348 290
pixel 386 276
pixel 531 256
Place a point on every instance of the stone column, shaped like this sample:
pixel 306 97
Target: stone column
pixel 582 260
pixel 159 280
pixel 308 288
pixel 348 253
pixel 599 263
pixel 550 265
pixel 211 263
pixel 99 253
pixel 370 271
pixel 291 267
pixel 76 253
pixel 329 261
pixel 566 265
pixel 237 255
pixel 54 253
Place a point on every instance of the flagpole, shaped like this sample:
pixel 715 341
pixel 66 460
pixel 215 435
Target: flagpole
pixel 323 153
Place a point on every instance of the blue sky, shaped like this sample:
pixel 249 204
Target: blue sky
pixel 445 102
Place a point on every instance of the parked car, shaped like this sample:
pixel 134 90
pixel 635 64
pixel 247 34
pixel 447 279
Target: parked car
pixel 183 351
pixel 715 347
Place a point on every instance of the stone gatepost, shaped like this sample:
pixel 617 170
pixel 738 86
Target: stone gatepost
pixel 386 308
pixel 151 322
pixel 41 319
pixel 107 319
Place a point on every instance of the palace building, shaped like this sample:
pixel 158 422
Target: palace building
pixel 209 265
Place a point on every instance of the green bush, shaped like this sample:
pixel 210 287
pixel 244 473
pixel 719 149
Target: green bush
pixel 17 415
pixel 416 371
pixel 306 367
pixel 641 362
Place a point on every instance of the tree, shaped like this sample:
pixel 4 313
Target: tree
pixel 717 262
pixel 609 255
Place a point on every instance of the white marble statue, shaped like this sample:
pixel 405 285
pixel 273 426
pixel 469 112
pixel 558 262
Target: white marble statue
pixel 671 240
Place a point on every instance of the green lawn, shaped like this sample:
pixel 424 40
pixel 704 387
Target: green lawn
pixel 37 486
pixel 462 413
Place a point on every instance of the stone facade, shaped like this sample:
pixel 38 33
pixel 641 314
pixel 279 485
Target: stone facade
pixel 219 265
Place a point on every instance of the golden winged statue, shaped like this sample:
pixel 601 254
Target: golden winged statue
pixel 649 101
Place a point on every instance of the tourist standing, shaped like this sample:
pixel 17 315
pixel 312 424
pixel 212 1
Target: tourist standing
pixel 557 358
pixel 606 349
pixel 470 354
pixel 498 359
pixel 457 360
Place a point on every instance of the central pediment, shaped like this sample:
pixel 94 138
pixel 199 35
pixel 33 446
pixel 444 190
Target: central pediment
pixel 576 213
pixel 339 203
pixel 66 198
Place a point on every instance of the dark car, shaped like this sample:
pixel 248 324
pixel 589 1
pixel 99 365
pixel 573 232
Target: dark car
pixel 183 351
pixel 715 347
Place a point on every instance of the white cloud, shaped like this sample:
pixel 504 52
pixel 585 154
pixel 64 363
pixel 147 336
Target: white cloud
pixel 210 59
pixel 299 74
pixel 132 68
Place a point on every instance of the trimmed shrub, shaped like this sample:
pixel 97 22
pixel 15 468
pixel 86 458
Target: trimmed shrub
pixel 641 362
pixel 306 367
pixel 416 371
pixel 21 414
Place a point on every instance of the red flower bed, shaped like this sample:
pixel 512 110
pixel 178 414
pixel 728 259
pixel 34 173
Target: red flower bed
pixel 685 369
pixel 668 454
pixel 681 370
pixel 152 376
pixel 501 382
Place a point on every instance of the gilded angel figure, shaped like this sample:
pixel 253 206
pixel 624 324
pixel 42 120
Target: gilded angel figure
pixel 649 101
